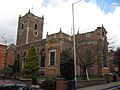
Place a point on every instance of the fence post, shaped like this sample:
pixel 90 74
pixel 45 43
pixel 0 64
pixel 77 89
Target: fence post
pixel 59 84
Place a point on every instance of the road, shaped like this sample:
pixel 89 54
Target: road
pixel 97 87
pixel 101 87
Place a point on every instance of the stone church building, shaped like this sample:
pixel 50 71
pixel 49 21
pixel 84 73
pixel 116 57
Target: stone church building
pixel 30 32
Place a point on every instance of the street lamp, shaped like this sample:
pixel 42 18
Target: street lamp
pixel 74 40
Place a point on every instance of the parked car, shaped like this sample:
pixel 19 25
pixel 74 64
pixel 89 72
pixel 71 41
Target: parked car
pixel 13 85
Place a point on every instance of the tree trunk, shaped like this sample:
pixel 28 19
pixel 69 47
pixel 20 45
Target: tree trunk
pixel 87 74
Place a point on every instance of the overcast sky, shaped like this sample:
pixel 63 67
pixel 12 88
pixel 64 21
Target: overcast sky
pixel 89 14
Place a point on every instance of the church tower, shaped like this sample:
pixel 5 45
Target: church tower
pixel 30 29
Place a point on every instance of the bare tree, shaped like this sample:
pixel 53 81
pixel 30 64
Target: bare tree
pixel 84 62
pixel 117 58
pixel 112 42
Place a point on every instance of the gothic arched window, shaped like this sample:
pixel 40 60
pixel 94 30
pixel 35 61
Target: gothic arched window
pixel 22 26
pixel 42 64
pixel 35 26
pixel 52 57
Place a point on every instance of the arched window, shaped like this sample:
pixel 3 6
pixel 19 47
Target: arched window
pixel 22 26
pixel 103 34
pixel 35 26
pixel 42 64
pixel 52 57
pixel 18 57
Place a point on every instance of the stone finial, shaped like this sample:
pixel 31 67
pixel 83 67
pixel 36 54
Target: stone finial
pixel 78 32
pixel 42 16
pixel 102 26
pixel 29 11
pixel 47 36
pixel 47 33
pixel 60 30
pixel 19 15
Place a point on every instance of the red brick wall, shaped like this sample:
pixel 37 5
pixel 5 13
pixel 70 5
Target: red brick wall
pixel 96 42
pixel 9 57
pixel 59 85
pixel 1 57
pixel 52 70
pixel 59 42
pixel 110 60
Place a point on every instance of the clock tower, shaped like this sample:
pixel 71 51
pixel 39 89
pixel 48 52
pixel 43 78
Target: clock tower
pixel 30 29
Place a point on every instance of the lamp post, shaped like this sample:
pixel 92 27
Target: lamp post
pixel 74 40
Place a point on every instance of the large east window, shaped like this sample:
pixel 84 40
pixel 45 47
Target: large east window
pixel 52 57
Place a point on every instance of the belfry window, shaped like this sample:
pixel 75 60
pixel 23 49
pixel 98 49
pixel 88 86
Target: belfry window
pixel 36 26
pixel 22 26
pixel 103 34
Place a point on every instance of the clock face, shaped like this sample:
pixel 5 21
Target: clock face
pixel 35 33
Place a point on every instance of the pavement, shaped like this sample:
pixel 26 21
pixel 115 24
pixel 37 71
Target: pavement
pixel 101 87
